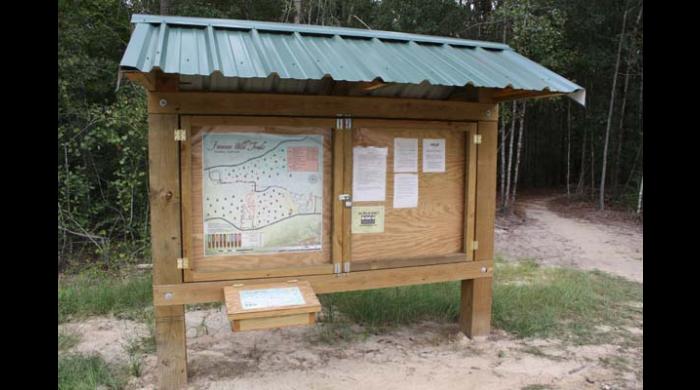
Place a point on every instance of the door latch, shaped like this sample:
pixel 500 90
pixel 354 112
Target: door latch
pixel 347 198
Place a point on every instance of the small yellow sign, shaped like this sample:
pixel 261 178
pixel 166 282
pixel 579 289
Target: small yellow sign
pixel 368 219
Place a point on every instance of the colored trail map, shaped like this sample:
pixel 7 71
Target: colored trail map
pixel 262 193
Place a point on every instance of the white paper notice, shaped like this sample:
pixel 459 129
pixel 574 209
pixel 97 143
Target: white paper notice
pixel 405 154
pixel 368 173
pixel 434 155
pixel 405 190
pixel 271 297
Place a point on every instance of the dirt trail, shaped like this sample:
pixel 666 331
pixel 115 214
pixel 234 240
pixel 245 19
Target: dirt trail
pixel 424 356
pixel 571 242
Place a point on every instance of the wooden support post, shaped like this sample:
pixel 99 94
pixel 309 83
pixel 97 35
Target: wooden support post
pixel 164 196
pixel 475 304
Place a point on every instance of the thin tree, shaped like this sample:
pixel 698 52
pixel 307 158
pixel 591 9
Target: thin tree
pixel 639 199
pixel 621 128
pixel 601 199
pixel 520 147
pixel 510 155
pixel 503 159
pixel 568 149
pixel 297 11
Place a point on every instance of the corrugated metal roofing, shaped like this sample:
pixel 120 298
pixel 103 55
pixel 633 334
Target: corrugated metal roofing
pixel 257 56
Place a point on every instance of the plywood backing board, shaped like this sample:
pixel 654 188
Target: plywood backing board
pixel 436 227
pixel 222 267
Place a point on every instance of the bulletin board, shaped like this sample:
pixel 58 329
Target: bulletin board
pixel 259 199
pixel 430 229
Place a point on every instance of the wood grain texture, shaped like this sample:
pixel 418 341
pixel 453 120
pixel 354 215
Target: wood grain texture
pixel 338 188
pixel 470 192
pixel 202 292
pixel 234 266
pixel 235 310
pixel 486 190
pixel 436 226
pixel 347 189
pixel 475 307
pixel 222 103
pixel 476 295
pixel 164 198
pixel 273 322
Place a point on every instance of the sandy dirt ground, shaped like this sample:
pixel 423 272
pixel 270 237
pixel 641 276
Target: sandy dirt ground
pixel 423 356
pixel 551 239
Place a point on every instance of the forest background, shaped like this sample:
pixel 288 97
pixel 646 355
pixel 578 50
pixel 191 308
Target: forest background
pixel 592 154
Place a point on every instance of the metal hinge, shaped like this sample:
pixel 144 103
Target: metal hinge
pixel 477 139
pixel 347 198
pixel 475 245
pixel 183 263
pixel 346 267
pixel 180 135
pixel 343 122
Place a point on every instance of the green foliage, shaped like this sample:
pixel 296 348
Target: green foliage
pixel 93 292
pixel 77 372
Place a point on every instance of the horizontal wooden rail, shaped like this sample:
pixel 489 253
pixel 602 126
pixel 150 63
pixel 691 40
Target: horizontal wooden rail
pixel 202 292
pixel 224 103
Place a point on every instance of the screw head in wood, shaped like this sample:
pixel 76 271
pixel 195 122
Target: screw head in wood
pixel 483 269
pixel 168 195
pixel 168 296
pixel 163 102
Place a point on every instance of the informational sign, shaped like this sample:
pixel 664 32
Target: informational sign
pixel 405 154
pixel 369 173
pixel 262 193
pixel 367 219
pixel 434 155
pixel 405 190
pixel 271 297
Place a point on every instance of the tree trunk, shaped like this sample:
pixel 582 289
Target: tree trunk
pixel 297 11
pixel 503 160
pixel 601 200
pixel 582 172
pixel 621 129
pixel 510 155
pixel 592 143
pixel 568 149
pixel 164 7
pixel 520 147
pixel 639 199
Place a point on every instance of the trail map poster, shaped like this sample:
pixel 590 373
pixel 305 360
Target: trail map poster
pixel 262 193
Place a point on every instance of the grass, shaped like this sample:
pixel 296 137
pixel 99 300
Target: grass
pixel 98 293
pixel 67 340
pixel 528 301
pixel 78 372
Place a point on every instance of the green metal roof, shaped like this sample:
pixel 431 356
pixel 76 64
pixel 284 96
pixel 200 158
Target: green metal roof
pixel 220 54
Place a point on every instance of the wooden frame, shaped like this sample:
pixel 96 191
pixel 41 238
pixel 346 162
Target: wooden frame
pixel 218 268
pixel 460 247
pixel 169 110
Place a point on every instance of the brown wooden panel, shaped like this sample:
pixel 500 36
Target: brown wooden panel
pixel 254 265
pixel 470 192
pixel 436 226
pixel 221 103
pixel 164 198
pixel 486 190
pixel 202 292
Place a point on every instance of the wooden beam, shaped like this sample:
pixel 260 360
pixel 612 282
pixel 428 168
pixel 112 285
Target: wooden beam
pixel 202 292
pixel 164 197
pixel 147 80
pixel 476 294
pixel 212 103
